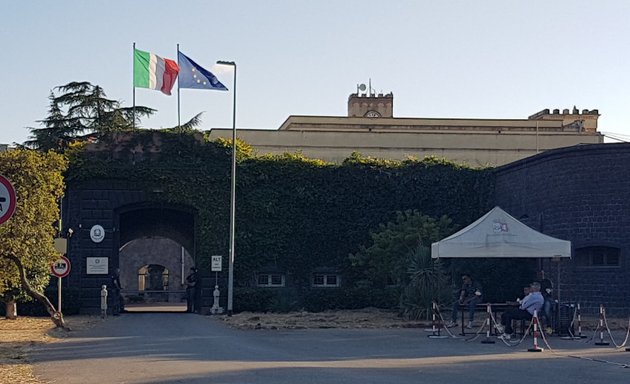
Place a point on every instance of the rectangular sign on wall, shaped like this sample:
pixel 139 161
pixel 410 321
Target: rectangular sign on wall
pixel 216 263
pixel 97 265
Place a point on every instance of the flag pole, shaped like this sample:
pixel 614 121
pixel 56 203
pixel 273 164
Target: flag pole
pixel 133 83
pixel 179 124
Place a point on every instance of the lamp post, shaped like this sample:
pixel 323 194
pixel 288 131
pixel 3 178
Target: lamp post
pixel 230 292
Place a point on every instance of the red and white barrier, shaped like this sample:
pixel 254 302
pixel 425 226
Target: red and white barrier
pixel 601 326
pixel 488 325
pixel 436 325
pixel 535 348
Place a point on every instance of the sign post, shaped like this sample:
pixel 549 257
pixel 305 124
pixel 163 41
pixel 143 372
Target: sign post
pixel 7 199
pixel 60 268
pixel 215 266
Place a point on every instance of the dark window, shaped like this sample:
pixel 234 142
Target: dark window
pixel 597 257
pixel 270 280
pixel 326 280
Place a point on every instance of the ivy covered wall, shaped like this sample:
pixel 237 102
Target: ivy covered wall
pixel 295 215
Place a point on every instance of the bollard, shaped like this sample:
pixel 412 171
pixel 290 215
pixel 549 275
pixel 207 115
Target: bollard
pixel 216 309
pixel 601 327
pixel 535 348
pixel 103 301
pixel 435 327
pixel 488 340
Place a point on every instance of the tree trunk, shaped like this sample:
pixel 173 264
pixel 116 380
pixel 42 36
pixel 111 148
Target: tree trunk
pixel 11 310
pixel 55 316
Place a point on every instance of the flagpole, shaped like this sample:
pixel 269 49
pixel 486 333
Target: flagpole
pixel 133 83
pixel 179 124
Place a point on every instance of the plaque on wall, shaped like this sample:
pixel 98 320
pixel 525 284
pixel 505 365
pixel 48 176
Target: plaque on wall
pixel 97 265
pixel 97 233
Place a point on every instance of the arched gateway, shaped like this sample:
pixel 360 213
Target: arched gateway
pixel 116 226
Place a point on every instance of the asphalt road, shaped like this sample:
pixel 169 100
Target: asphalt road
pixel 187 348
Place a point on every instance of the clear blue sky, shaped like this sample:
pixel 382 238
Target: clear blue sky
pixel 477 59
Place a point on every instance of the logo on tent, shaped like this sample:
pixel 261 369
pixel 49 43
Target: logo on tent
pixel 498 227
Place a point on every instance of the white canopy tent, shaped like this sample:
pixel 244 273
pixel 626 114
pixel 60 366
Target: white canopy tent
pixel 497 234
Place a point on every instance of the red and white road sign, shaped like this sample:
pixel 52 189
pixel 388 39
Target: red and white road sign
pixel 7 199
pixel 61 267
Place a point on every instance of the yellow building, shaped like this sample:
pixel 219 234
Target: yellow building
pixel 371 129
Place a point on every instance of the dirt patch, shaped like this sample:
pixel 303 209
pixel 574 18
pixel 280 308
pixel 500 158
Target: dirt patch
pixel 363 318
pixel 18 337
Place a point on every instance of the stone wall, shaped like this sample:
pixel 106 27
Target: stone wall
pixel 581 194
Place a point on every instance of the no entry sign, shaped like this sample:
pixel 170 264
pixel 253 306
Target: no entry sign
pixel 7 199
pixel 61 267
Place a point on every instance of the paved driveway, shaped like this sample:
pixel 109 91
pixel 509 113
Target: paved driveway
pixel 187 348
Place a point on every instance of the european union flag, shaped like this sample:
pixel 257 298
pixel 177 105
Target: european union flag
pixel 192 75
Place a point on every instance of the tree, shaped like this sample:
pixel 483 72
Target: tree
pixel 386 259
pixel 28 237
pixel 79 111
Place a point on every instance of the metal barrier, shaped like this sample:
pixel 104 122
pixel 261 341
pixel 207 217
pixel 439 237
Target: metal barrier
pixel 154 296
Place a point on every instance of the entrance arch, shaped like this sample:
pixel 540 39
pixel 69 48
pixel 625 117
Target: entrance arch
pixel 157 247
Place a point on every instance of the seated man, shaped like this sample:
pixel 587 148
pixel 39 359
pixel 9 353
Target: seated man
pixel 470 294
pixel 532 302
pixel 546 289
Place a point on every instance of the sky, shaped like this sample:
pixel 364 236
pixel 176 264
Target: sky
pixel 442 59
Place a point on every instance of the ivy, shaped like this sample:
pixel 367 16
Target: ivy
pixel 293 213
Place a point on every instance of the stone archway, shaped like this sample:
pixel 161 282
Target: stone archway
pixel 156 245
pixel 153 270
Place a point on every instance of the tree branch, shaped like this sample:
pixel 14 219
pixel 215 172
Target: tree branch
pixel 55 316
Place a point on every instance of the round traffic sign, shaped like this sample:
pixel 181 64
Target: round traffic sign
pixel 7 199
pixel 61 267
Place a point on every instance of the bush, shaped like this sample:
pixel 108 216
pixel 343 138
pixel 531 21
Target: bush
pixel 252 299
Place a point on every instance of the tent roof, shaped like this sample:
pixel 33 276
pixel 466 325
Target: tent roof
pixel 497 234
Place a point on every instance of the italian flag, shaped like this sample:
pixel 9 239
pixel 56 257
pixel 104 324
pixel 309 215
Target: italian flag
pixel 152 71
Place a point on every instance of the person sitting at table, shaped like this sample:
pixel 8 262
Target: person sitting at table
pixel 525 293
pixel 470 294
pixel 546 289
pixel 534 301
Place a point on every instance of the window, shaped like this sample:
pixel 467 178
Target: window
pixel 597 257
pixel 270 280
pixel 325 280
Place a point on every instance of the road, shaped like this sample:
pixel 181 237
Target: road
pixel 187 348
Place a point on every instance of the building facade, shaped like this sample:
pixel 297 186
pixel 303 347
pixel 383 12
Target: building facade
pixel 371 129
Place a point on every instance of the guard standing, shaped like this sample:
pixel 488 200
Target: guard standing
pixel 191 290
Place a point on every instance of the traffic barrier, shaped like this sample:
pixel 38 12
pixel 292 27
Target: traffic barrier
pixel 436 325
pixel 600 327
pixel 577 318
pixel 488 324
pixel 579 322
pixel 535 348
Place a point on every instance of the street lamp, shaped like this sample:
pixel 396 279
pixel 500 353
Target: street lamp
pixel 230 292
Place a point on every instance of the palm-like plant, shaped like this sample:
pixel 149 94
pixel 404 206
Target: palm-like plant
pixel 426 283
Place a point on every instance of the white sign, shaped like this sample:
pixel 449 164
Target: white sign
pixel 97 265
pixel 97 233
pixel 7 199
pixel 216 263
pixel 61 267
